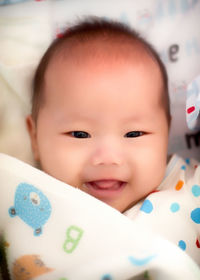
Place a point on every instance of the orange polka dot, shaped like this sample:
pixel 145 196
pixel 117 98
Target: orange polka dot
pixel 179 185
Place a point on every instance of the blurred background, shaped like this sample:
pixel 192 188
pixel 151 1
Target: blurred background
pixel 28 27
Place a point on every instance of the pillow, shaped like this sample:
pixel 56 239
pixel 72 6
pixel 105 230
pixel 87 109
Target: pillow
pixel 6 2
pixel 29 27
pixel 53 230
pixel 193 104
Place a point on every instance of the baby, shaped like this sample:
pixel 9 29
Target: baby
pixel 100 116
pixel 100 122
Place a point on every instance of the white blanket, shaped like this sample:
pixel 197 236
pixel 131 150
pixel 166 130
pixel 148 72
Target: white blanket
pixel 53 231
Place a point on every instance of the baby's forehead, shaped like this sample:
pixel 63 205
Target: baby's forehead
pixel 101 62
pixel 93 44
pixel 100 52
pixel 92 59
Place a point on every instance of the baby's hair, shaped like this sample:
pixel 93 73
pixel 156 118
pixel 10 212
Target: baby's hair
pixel 88 30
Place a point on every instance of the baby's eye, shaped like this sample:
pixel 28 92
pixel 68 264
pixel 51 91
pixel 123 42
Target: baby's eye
pixel 134 134
pixel 79 134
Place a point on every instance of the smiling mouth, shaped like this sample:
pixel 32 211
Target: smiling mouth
pixel 105 188
pixel 106 184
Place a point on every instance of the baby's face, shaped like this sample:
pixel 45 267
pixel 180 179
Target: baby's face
pixel 102 128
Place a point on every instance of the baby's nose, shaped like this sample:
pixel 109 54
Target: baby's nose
pixel 107 154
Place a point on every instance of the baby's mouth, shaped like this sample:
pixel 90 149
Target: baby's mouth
pixel 106 184
pixel 106 188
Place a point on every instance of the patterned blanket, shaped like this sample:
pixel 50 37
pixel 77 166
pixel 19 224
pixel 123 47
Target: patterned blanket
pixel 50 230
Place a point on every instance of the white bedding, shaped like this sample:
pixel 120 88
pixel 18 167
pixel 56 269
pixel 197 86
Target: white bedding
pixel 51 231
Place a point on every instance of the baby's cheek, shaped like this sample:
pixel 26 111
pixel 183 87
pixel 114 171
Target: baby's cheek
pixel 70 169
pixel 150 171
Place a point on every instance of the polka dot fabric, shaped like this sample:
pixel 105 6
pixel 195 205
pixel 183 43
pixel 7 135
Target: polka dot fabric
pixel 53 231
pixel 49 232
pixel 173 210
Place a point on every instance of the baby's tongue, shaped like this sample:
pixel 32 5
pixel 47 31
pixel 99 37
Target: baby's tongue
pixel 106 184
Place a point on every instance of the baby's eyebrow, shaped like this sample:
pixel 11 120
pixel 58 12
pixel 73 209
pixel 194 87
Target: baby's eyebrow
pixel 134 118
pixel 83 118
pixel 75 119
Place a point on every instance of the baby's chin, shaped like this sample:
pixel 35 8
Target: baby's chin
pixel 119 206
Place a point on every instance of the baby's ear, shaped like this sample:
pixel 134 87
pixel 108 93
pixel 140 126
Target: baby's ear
pixel 31 127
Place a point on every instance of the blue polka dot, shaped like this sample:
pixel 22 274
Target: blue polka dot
pixel 174 207
pixel 107 277
pixel 183 167
pixel 140 262
pixel 196 190
pixel 182 245
pixel 187 160
pixel 147 206
pixel 195 215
